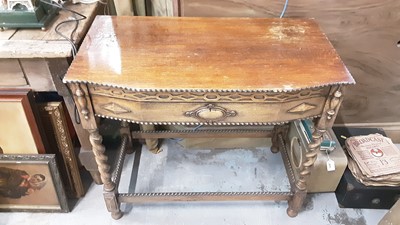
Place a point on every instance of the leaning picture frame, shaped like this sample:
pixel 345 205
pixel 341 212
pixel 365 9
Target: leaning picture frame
pixel 55 124
pixel 21 131
pixel 31 183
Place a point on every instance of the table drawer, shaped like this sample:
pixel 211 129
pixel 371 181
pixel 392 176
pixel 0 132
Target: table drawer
pixel 205 111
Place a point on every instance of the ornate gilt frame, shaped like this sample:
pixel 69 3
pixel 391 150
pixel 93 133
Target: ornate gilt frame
pixel 53 114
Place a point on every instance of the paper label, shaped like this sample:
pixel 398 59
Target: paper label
pixel 330 165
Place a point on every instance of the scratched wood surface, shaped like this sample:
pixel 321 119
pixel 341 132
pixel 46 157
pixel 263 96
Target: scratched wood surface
pixel 364 32
pixel 34 43
pixel 232 54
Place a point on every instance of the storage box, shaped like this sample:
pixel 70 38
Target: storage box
pixel 320 179
pixel 352 194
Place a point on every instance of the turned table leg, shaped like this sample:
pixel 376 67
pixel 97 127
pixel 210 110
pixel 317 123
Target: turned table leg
pixel 300 188
pixel 88 121
pixel 86 155
pixel 276 132
pixel 110 192
pixel 125 130
pixel 274 140
pixel 151 143
pixel 325 121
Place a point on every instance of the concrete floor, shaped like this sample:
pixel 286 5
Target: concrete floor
pixel 203 170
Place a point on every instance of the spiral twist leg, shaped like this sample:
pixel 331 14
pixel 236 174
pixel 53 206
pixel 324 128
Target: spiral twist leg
pixel 300 189
pixel 277 131
pixel 110 192
pixel 151 143
pixel 101 159
pixel 311 156
pixel 125 130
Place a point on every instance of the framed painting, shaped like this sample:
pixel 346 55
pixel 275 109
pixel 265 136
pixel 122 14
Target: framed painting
pixel 31 183
pixel 21 131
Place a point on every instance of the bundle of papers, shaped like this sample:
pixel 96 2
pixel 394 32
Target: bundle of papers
pixel 374 160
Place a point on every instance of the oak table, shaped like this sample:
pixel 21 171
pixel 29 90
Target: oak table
pixel 206 71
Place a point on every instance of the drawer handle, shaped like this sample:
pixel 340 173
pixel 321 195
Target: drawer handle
pixel 210 113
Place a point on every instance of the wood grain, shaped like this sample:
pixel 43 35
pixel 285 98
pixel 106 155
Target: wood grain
pixel 170 53
pixel 32 49
pixel 364 32
pixel 172 112
pixel 7 33
pixel 11 74
pixel 34 43
pixel 50 34
pixel 26 73
pixel 38 74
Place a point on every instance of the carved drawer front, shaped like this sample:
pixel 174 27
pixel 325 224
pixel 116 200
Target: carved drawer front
pixel 165 108
pixel 210 113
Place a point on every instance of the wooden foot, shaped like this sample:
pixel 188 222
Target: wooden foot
pixel 155 150
pixel 296 202
pixel 112 203
pixel 291 212
pixel 129 150
pixel 116 215
pixel 274 149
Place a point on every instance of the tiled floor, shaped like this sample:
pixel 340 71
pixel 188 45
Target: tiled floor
pixel 203 170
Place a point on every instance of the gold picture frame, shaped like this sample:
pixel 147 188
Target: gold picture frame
pixel 31 183
pixel 56 127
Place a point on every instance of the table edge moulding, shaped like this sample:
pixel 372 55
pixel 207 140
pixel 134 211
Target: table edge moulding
pixel 206 71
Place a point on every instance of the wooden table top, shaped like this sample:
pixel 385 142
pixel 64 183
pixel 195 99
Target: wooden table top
pixel 207 54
